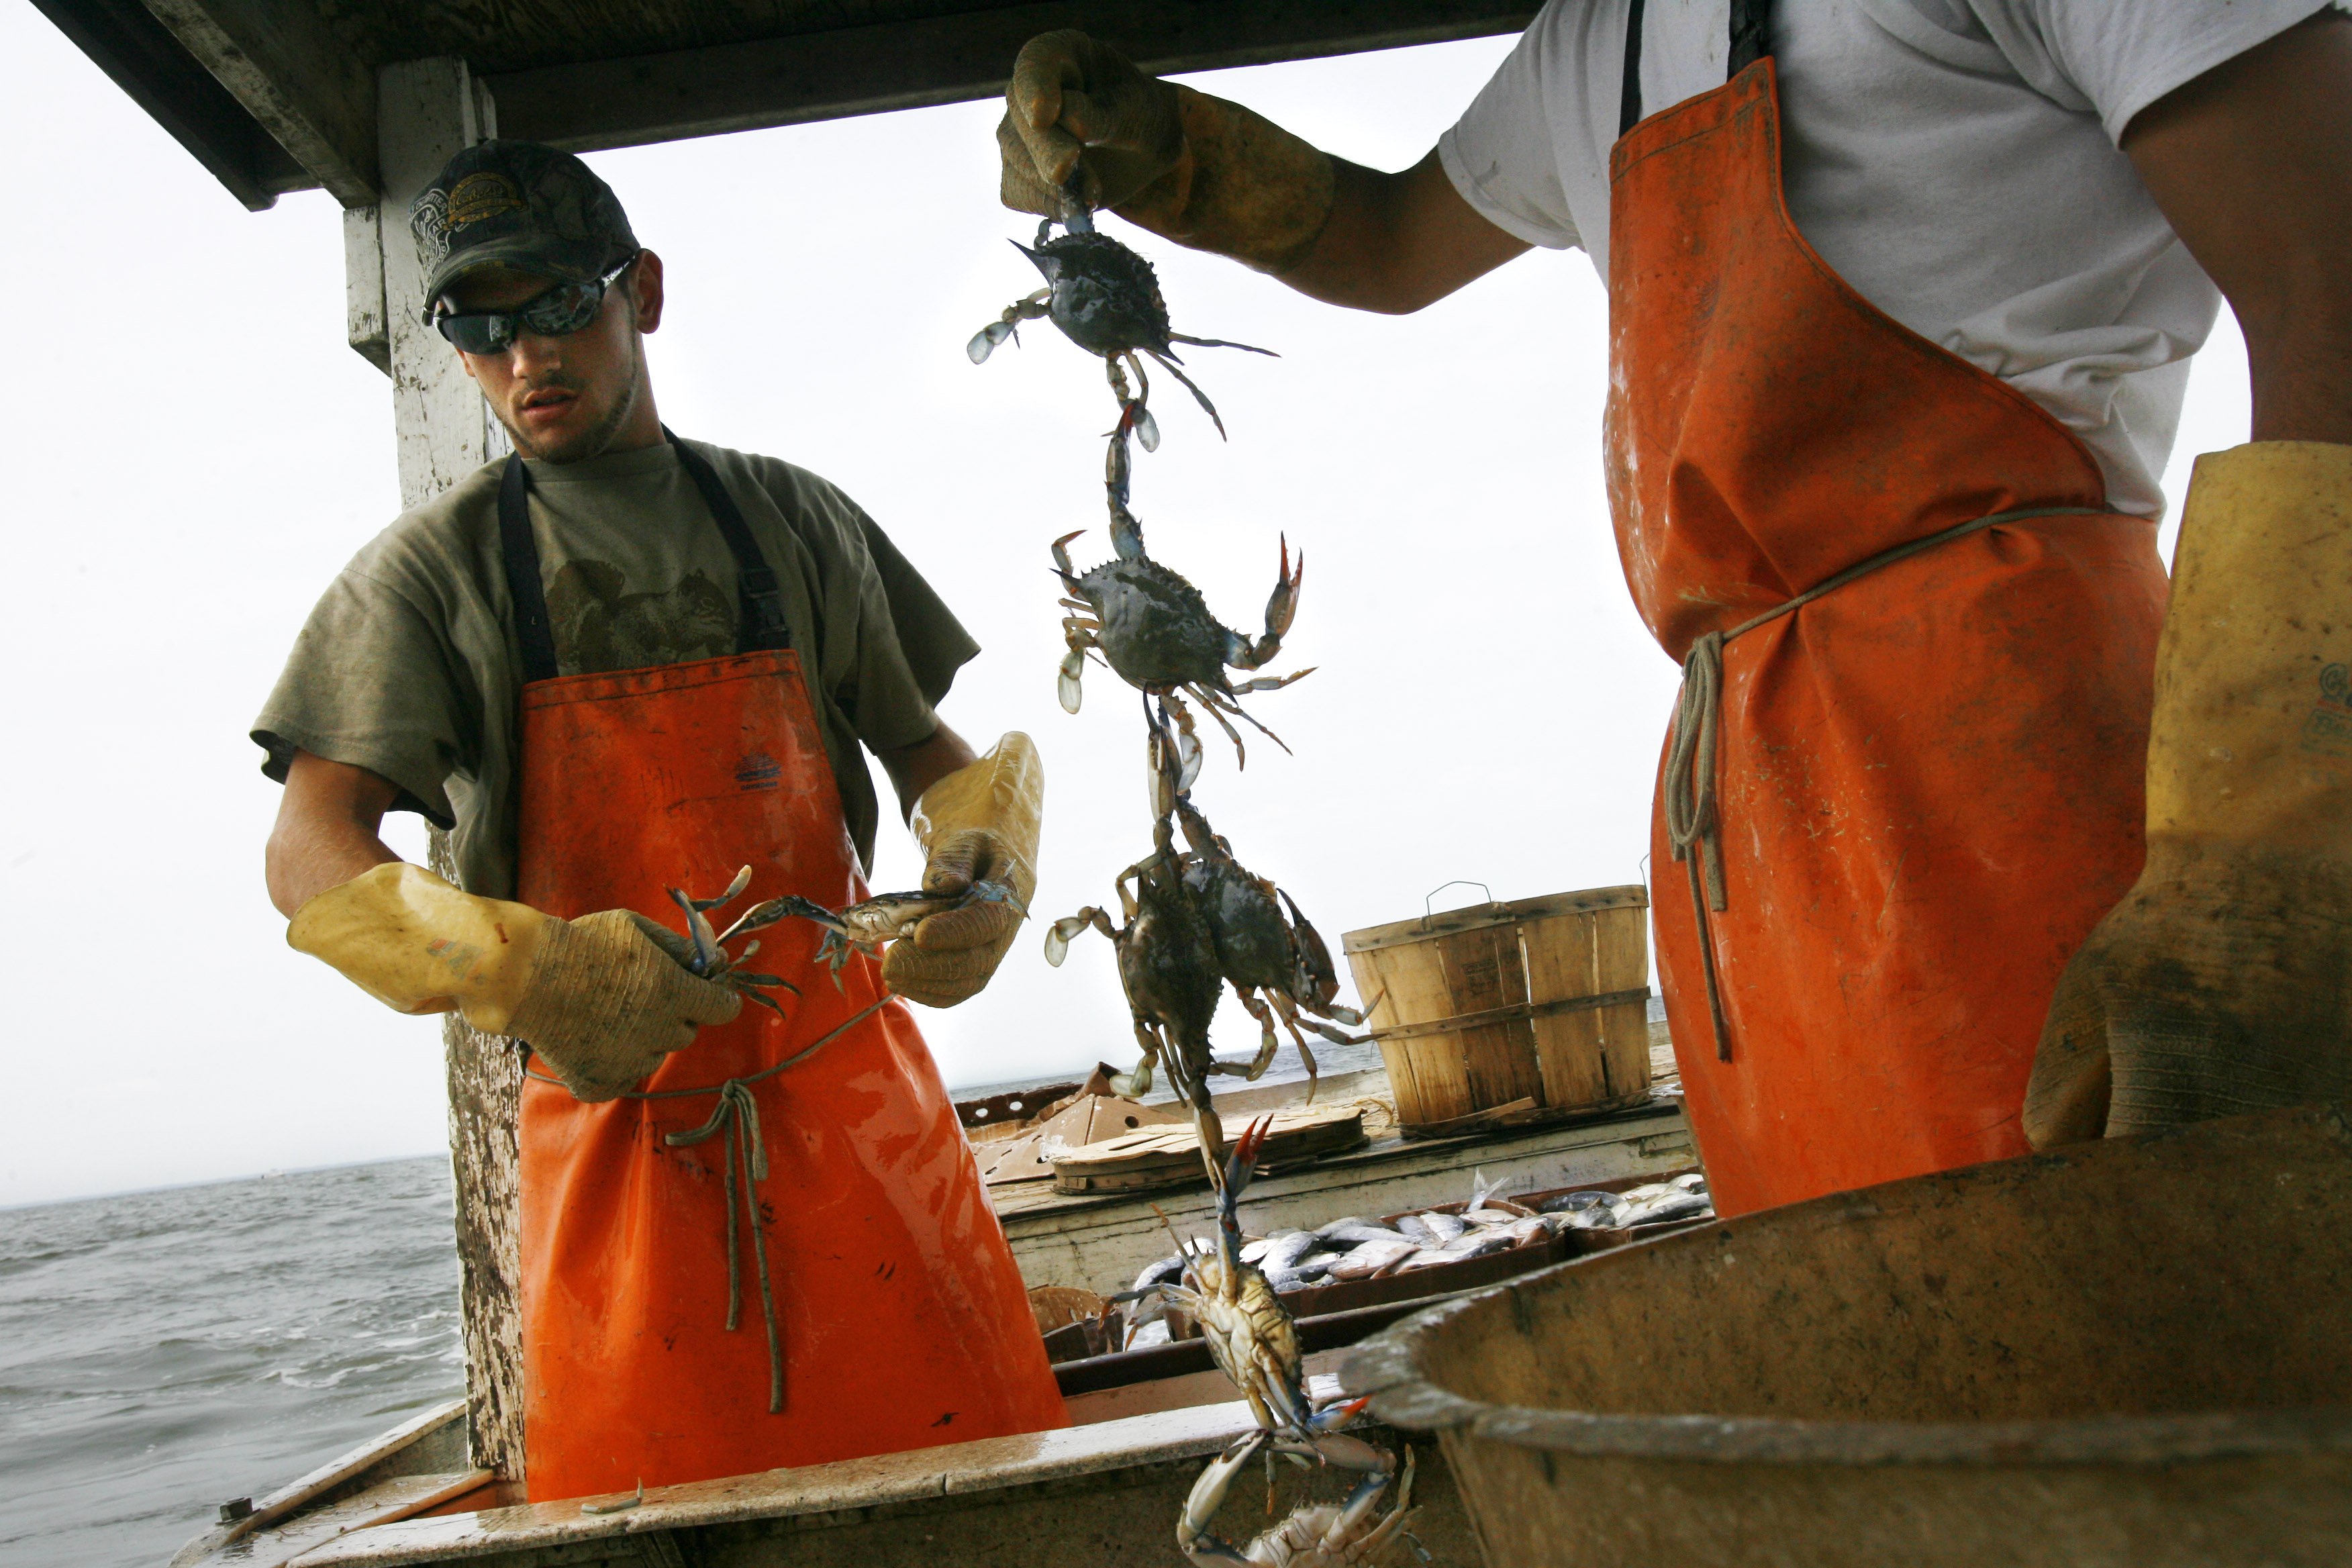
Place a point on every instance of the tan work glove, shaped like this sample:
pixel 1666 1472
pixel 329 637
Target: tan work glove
pixel 1202 172
pixel 2222 983
pixel 980 824
pixel 596 998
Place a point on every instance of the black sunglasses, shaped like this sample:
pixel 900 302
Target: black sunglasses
pixel 558 312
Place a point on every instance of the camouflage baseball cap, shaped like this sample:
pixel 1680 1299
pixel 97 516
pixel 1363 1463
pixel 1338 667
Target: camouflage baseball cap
pixel 522 206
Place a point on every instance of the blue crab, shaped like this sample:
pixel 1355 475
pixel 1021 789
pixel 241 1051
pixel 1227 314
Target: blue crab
pixel 884 918
pixel 1253 1342
pixel 1273 959
pixel 1167 966
pixel 1156 632
pixel 1106 299
pixel 702 949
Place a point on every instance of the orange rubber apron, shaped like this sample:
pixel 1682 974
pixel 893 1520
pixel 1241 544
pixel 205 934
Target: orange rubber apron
pixel 1927 783
pixel 901 1319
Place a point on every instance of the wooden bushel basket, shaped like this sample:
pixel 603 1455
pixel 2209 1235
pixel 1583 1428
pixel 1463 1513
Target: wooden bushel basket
pixel 1507 1014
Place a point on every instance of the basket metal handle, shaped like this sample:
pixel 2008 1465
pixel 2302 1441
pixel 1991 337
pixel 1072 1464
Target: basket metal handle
pixel 1428 914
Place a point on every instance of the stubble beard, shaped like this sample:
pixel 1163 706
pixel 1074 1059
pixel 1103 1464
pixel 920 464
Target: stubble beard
pixel 593 441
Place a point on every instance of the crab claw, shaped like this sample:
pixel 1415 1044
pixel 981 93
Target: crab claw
pixel 1058 935
pixel 1133 1085
pixel 1147 428
pixel 1331 1418
pixel 991 893
pixel 1116 467
pixel 1282 606
pixel 734 890
pixel 1073 664
pixel 1243 1164
pixel 1161 771
pixel 1189 757
pixel 986 340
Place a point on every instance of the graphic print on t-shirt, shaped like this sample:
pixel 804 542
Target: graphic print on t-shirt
pixel 599 625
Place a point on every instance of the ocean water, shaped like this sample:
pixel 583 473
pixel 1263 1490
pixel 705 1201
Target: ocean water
pixel 163 1351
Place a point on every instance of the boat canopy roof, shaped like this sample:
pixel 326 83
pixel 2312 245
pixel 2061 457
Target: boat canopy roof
pixel 281 95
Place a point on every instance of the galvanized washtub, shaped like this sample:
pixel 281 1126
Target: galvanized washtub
pixel 2136 1353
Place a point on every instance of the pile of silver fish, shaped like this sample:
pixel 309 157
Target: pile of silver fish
pixel 1658 1202
pixel 1357 1248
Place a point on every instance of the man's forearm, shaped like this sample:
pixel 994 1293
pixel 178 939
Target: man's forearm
pixel 327 829
pixel 1395 243
pixel 2252 163
pixel 1392 244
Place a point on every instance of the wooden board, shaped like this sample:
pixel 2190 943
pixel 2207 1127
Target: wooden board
pixel 1090 1119
pixel 1165 1156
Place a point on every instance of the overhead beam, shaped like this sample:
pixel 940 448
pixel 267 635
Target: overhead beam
pixel 948 59
pixel 310 93
pixel 124 39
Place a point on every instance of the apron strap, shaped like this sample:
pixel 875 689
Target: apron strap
pixel 761 622
pixel 519 552
pixel 1752 26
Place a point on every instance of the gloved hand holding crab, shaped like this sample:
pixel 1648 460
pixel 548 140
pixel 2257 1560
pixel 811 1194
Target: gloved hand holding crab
pixel 979 829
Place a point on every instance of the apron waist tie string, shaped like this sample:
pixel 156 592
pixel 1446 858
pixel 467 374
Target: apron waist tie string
pixel 737 1115
pixel 1694 821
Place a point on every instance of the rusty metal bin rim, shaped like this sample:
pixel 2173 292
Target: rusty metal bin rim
pixel 1383 1367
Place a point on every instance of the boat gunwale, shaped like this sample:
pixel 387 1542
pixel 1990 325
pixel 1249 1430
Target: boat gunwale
pixel 849 1488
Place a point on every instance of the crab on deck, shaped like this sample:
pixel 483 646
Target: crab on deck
pixel 1156 632
pixel 1352 1534
pixel 1106 299
pixel 1253 1342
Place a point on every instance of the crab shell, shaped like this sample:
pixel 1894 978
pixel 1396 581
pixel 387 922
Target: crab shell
pixel 1157 631
pixel 1254 942
pixel 1168 964
pixel 1106 298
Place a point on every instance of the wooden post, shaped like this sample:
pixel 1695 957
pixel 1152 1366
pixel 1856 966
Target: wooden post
pixel 429 111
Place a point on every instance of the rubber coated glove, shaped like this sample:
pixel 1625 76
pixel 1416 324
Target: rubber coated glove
pixel 1204 173
pixel 980 824
pixel 596 998
pixel 2222 983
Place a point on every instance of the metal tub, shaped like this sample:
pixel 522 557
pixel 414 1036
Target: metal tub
pixel 2133 1353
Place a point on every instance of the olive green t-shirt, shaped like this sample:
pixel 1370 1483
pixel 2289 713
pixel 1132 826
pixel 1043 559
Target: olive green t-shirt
pixel 409 666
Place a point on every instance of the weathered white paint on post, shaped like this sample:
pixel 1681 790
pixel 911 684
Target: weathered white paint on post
pixel 364 324
pixel 428 110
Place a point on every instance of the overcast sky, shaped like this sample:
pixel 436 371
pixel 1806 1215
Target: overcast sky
pixel 198 453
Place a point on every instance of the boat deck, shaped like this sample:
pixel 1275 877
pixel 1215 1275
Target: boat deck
pixel 1101 1241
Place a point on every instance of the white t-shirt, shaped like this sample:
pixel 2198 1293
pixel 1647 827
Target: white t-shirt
pixel 1956 160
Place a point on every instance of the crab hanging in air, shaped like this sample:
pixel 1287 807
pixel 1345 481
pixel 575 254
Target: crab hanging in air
pixel 1276 962
pixel 1352 1534
pixel 1156 632
pixel 1252 1340
pixel 1106 299
pixel 1168 967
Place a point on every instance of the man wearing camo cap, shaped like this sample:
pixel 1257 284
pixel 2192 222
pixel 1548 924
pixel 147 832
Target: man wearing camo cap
pixel 614 664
